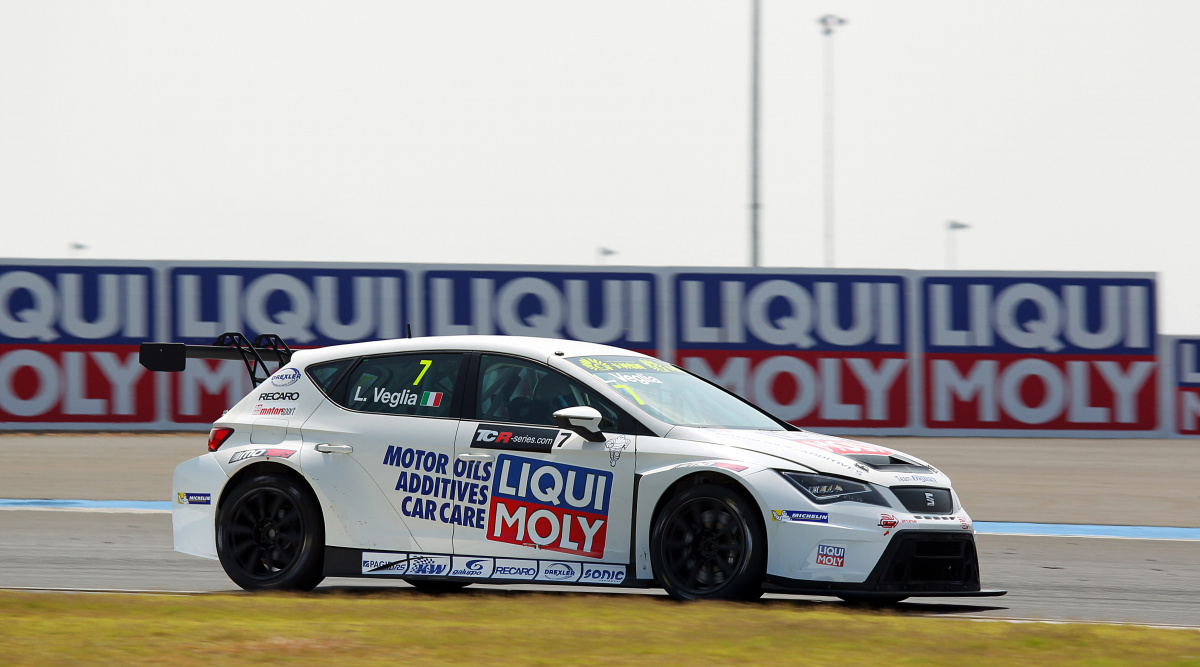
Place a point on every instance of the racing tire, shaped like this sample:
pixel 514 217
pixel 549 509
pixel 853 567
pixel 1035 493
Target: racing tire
pixel 271 535
pixel 708 543
pixel 435 587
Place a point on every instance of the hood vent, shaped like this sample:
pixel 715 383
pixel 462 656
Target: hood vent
pixel 891 463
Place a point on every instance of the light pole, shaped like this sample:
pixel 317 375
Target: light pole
pixel 755 15
pixel 951 227
pixel 829 23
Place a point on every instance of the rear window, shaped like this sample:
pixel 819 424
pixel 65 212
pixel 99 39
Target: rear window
pixel 421 384
pixel 326 375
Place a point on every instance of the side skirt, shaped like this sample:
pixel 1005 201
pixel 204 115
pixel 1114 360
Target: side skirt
pixel 348 562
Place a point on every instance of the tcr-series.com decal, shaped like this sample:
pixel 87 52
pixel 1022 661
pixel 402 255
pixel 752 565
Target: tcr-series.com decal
pixel 518 438
pixel 478 567
pixel 553 506
pixel 435 490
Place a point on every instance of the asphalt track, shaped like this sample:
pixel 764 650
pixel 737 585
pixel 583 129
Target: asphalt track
pixel 1155 581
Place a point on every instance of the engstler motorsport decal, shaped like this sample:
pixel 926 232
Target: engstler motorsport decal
pixel 549 505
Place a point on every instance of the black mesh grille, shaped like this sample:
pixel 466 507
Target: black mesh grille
pixel 929 562
pixel 925 500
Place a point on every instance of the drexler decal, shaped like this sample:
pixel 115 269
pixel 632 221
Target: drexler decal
pixel 517 438
pixel 549 505
pixel 255 453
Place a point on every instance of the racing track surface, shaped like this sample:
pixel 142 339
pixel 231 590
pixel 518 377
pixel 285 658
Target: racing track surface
pixel 1144 581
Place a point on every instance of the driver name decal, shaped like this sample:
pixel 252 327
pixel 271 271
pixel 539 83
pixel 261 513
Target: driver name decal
pixel 549 505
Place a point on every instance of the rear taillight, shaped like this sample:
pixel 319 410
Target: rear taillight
pixel 217 437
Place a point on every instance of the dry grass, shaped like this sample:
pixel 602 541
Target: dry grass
pixel 486 627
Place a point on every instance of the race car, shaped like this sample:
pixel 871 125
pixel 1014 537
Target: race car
pixel 448 461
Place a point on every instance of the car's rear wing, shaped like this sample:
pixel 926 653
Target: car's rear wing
pixel 172 357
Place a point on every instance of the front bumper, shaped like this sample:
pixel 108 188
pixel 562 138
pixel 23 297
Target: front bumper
pixel 916 563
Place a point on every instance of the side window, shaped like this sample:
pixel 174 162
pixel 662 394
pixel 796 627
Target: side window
pixel 524 392
pixel 404 384
pixel 326 374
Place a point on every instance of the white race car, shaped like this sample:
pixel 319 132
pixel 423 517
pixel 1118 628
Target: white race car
pixel 446 461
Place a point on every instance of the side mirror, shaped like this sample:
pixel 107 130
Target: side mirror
pixel 582 419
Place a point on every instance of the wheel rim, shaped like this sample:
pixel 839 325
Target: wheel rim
pixel 265 533
pixel 704 546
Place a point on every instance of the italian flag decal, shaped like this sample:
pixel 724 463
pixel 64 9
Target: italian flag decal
pixel 431 399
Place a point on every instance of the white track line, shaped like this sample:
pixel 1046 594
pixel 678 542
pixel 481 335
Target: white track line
pixel 101 510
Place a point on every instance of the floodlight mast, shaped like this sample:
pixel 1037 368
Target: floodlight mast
pixel 829 23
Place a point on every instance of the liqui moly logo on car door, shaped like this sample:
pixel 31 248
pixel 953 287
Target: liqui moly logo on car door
pixel 1048 353
pixel 822 350
pixel 612 308
pixel 548 505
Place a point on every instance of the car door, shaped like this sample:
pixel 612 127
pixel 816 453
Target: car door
pixel 541 501
pixel 394 416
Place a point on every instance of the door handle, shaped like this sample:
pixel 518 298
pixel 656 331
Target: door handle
pixel 334 449
pixel 468 456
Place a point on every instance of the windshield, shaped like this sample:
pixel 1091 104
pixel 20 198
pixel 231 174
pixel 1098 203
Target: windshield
pixel 673 395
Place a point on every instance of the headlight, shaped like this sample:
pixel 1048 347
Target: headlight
pixel 825 489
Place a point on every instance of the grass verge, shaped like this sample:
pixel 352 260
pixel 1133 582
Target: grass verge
pixel 489 627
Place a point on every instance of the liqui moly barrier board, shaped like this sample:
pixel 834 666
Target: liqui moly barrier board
pixel 1044 354
pixel 882 352
pixel 824 350
pixel 615 307
pixel 68 344
pixel 1182 355
pixel 307 305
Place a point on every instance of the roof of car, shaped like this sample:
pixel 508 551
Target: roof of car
pixel 525 346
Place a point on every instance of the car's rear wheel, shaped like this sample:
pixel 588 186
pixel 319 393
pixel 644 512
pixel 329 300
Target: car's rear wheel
pixel 708 543
pixel 270 534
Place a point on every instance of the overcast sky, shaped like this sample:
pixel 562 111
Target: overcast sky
pixel 1065 133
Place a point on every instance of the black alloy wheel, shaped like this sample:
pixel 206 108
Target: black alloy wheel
pixel 270 535
pixel 708 543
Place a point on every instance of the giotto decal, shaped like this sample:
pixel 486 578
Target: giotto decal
pixel 888 521
pixel 602 574
pixel 550 505
pixel 599 307
pixel 74 384
pixel 304 306
pixel 512 568
pixel 75 304
pixel 472 566
pixel 553 570
pixel 263 452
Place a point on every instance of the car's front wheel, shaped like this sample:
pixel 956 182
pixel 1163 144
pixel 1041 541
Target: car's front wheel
pixel 708 543
pixel 270 534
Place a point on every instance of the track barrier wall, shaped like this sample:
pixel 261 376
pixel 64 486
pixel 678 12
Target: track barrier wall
pixel 1046 354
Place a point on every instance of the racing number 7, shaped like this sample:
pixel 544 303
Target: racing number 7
pixel 426 363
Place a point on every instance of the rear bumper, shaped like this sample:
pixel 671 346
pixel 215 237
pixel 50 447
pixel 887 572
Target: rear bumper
pixel 916 563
